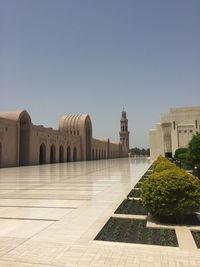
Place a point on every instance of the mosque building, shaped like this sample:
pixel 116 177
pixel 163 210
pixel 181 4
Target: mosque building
pixel 175 130
pixel 22 143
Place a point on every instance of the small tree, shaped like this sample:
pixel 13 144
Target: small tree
pixel 172 192
pixel 194 150
pixel 181 153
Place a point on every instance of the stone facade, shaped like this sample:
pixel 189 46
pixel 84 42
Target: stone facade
pixel 175 130
pixel 22 143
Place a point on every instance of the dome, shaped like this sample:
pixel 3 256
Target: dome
pixel 74 122
pixel 15 115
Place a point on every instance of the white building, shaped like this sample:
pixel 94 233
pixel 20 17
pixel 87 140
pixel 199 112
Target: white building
pixel 175 130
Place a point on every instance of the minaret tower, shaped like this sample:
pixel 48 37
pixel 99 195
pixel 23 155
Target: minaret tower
pixel 124 133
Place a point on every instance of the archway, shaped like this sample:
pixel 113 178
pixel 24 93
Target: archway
pixel 61 154
pixel 53 154
pixel 24 139
pixel 42 156
pixel 0 155
pixel 75 154
pixel 68 154
pixel 168 145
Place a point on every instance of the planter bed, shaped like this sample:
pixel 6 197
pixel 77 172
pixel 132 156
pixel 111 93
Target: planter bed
pixel 191 219
pixel 148 172
pixel 134 193
pixel 138 185
pixel 196 236
pixel 135 231
pixel 143 178
pixel 131 207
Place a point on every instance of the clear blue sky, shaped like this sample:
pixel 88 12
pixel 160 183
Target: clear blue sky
pixel 96 56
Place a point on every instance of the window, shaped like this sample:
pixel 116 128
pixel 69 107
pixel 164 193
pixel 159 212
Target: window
pixel 191 131
pixel 174 125
pixel 196 124
pixel 185 131
pixel 74 132
pixel 78 132
pixel 179 131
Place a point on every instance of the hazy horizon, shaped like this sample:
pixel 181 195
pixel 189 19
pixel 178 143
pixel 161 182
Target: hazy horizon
pixel 73 57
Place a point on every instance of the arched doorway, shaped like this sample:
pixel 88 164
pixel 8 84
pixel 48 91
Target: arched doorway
pixel 0 155
pixel 42 156
pixel 24 139
pixel 168 145
pixel 75 154
pixel 53 154
pixel 61 154
pixel 68 154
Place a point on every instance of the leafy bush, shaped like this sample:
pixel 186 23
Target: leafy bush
pixel 164 165
pixel 171 192
pixel 179 152
pixel 194 150
pixel 157 161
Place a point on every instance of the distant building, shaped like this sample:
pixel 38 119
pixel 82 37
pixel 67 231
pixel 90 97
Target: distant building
pixel 175 130
pixel 124 133
pixel 22 143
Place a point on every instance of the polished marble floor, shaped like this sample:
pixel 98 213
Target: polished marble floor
pixel 50 214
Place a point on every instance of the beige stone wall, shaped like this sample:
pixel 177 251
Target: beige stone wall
pixel 156 142
pixel 49 137
pixel 22 143
pixel 8 143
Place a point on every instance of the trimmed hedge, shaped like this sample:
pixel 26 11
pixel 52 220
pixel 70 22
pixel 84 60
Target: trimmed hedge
pixel 171 192
pixel 164 165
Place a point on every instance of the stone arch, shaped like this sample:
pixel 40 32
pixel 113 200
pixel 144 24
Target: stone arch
pixel 42 155
pixel 83 126
pixel 74 154
pixel 68 154
pixel 167 144
pixel 52 154
pixel 61 154
pixel 24 138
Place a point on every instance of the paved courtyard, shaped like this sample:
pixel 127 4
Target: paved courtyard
pixel 50 214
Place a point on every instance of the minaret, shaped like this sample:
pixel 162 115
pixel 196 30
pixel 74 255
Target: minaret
pixel 124 133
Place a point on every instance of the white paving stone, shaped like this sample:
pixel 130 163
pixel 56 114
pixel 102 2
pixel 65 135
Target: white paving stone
pixel 81 197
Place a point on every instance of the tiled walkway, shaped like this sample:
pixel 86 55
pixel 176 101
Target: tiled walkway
pixel 49 216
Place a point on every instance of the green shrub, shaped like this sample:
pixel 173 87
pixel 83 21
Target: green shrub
pixel 172 192
pixel 194 150
pixel 164 165
pixel 157 161
pixel 179 152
